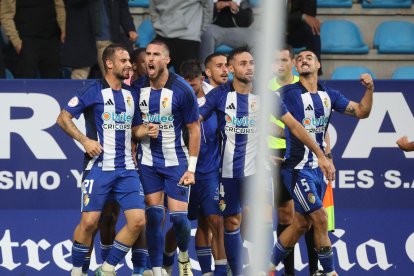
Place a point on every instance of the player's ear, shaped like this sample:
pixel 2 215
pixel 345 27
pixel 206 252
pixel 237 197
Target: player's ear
pixel 231 68
pixel 167 60
pixel 109 64
pixel 208 72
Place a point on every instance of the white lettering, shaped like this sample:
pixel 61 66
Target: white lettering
pixel 31 130
pixel 393 178
pixel 27 182
pixel 346 179
pixel 55 180
pixel 366 179
pixel 6 249
pixel 380 254
pixel 23 180
pixel 78 177
pixel 33 253
pixel 409 247
pixel 342 251
pixel 62 251
pixel 394 104
pixel 6 181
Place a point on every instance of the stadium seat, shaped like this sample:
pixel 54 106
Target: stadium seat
pixel 255 3
pixel 146 33
pixel 341 37
pixel 334 3
pixel 9 74
pixel 403 73
pixel 224 49
pixel 139 3
pixel 350 72
pixel 387 4
pixel 394 37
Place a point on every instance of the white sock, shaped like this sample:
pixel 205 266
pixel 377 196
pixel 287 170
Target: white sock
pixel 107 267
pixel 207 274
pixel 76 271
pixel 156 270
pixel 183 256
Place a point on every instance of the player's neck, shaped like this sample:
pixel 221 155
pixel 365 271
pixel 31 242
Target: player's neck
pixel 114 82
pixel 241 87
pixel 160 81
pixel 310 82
pixel 284 80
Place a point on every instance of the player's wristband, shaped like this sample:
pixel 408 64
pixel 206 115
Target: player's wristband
pixel 329 155
pixel 192 163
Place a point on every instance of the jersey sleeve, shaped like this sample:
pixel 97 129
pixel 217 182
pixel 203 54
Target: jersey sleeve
pixel 82 100
pixel 190 108
pixel 338 101
pixel 210 104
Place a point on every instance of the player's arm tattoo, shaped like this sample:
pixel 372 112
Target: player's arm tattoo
pixel 65 122
pixel 350 110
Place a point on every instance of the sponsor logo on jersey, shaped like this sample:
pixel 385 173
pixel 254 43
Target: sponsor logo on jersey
pixel 116 121
pixel 157 118
pixel 243 125
pixel 315 125
pixel 73 102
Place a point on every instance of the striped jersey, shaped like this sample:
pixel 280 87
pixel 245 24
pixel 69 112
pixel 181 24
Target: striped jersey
pixel 209 157
pixel 237 121
pixel 172 107
pixel 109 117
pixel 313 111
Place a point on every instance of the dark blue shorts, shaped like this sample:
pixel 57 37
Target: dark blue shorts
pixel 123 185
pixel 306 187
pixel 204 198
pixel 155 179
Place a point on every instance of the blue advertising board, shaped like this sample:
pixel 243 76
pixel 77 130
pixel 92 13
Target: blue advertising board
pixel 40 172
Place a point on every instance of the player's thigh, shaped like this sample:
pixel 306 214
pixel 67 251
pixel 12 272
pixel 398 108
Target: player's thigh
pixel 230 202
pixel 128 190
pixel 151 181
pixel 96 187
pixel 209 197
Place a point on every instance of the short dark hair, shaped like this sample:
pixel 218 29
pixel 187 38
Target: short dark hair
pixel 190 69
pixel 160 42
pixel 288 48
pixel 213 55
pixel 109 52
pixel 238 51
pixel 135 53
pixel 307 50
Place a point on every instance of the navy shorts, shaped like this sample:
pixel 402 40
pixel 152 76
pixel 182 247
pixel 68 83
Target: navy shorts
pixel 155 179
pixel 204 198
pixel 123 185
pixel 307 188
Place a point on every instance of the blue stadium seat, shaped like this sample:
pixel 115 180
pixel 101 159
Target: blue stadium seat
pixel 387 4
pixel 334 3
pixel 350 72
pixel 342 37
pixel 146 33
pixel 394 37
pixel 9 74
pixel 224 49
pixel 255 3
pixel 403 73
pixel 139 3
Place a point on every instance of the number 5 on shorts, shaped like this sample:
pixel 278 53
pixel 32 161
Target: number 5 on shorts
pixel 305 185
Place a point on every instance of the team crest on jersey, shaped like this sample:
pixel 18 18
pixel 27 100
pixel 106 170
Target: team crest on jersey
pixel 222 205
pixel 85 199
pixel 165 102
pixel 129 100
pixel 326 102
pixel 253 106
pixel 73 102
pixel 311 198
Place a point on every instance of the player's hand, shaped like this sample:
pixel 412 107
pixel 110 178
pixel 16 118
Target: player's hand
pixel 133 36
pixel 403 143
pixel 187 179
pixel 234 8
pixel 367 81
pixel 276 160
pixel 153 130
pixel 92 147
pixel 333 168
pixel 313 23
pixel 326 168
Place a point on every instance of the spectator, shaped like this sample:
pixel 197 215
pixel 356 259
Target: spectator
pixel 92 26
pixel 180 23
pixel 35 28
pixel 230 26
pixel 303 28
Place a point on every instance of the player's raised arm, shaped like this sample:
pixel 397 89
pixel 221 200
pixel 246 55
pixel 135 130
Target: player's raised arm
pixel 64 120
pixel 362 109
pixel 299 131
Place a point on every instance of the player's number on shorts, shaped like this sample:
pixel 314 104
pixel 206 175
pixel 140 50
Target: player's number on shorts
pixel 305 185
pixel 221 190
pixel 88 184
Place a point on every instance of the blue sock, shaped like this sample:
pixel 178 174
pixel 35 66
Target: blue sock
pixel 148 263
pixel 220 267
pixel 326 257
pixel 234 245
pixel 279 253
pixel 79 253
pixel 204 258
pixel 168 258
pixel 155 237
pixel 105 251
pixel 117 253
pixel 182 229
pixel 139 259
pixel 86 263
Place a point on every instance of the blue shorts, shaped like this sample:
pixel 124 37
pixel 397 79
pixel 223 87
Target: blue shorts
pixel 123 185
pixel 155 179
pixel 233 194
pixel 204 198
pixel 306 187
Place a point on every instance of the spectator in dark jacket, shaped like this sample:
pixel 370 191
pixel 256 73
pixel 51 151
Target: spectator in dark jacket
pixel 91 26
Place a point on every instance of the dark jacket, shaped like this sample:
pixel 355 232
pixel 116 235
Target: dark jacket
pixel 295 10
pixel 79 49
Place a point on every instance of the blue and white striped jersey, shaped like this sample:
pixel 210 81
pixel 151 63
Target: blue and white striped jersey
pixel 109 116
pixel 313 111
pixel 209 157
pixel 172 107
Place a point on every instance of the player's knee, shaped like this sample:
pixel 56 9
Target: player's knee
pixel 232 223
pixel 89 224
pixel 215 223
pixel 320 219
pixel 137 224
pixel 285 215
